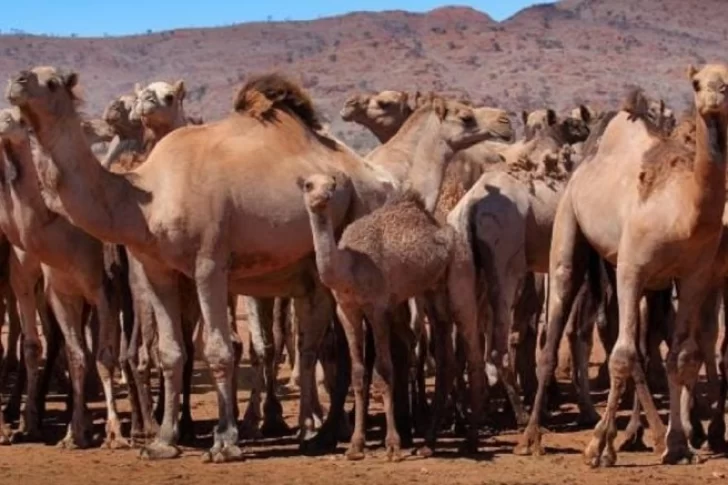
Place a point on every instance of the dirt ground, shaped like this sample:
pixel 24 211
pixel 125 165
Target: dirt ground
pixel 278 461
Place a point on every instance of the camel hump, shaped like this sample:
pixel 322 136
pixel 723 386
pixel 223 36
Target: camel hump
pixel 263 94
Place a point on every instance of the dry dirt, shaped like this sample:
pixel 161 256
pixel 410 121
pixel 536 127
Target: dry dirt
pixel 277 461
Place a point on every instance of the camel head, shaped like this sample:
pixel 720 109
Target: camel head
pixel 538 120
pixel 318 190
pixel 118 114
pixel 97 130
pixel 159 103
pixel 12 125
pixel 585 113
pixel 498 123
pixel 383 113
pixel 43 92
pixel 709 88
pixel 355 107
pixel 574 130
pixel 460 125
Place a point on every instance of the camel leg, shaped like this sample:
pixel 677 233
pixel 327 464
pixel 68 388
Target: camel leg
pixel 523 343
pixel 716 428
pixel 634 434
pixel 237 347
pixel 568 264
pixel 463 303
pixel 708 340
pixel 380 320
pixel 162 288
pixel 138 369
pixel 353 324
pixel 4 432
pixel 109 336
pixel 684 360
pixel 582 316
pixel 263 343
pixel 212 290
pixel 259 315
pixel 68 311
pixel 442 338
pixel 32 347
pixel 186 423
pixel 313 312
pixel 11 356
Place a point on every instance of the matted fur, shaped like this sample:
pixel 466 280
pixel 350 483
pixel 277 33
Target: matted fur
pixel 261 95
pixel 637 104
pixel 661 161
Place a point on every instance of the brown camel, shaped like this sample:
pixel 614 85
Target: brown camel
pixel 354 293
pixel 373 267
pixel 203 233
pixel 640 177
pixel 72 267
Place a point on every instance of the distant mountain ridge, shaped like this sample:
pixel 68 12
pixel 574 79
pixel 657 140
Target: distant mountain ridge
pixel 546 55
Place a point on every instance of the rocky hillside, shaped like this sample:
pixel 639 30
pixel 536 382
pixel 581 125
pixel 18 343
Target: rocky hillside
pixel 555 54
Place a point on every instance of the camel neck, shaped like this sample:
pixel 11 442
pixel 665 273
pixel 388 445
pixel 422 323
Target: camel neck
pixel 329 258
pixel 21 179
pixel 89 196
pixel 711 135
pixel 417 155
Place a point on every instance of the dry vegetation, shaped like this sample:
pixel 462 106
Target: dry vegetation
pixel 557 54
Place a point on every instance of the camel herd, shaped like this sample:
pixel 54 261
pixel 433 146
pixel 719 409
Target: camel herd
pixel 130 238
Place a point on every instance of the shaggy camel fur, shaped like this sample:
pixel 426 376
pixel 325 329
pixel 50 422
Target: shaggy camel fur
pixel 641 175
pixel 375 267
pixel 72 267
pixel 226 177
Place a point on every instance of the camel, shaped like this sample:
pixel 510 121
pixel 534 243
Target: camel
pixel 374 267
pixel 640 174
pixel 170 234
pixel 128 130
pixel 71 264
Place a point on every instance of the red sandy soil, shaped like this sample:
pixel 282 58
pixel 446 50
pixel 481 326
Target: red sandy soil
pixel 277 461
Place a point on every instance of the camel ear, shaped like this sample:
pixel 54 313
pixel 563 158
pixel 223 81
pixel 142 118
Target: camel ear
pixel 524 117
pixel 300 182
pixel 70 79
pixel 179 90
pixel 662 106
pixel 692 71
pixel 550 117
pixel 585 113
pixel 137 89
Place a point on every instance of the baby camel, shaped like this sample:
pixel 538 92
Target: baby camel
pixel 395 253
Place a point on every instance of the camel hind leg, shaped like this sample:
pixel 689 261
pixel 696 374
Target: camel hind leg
pixel 23 288
pixel 716 428
pixel 463 304
pixel 568 265
pixel 68 310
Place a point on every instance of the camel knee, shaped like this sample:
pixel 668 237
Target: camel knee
pixel 357 376
pixel 171 359
pixel 32 349
pixel 622 360
pixel 218 353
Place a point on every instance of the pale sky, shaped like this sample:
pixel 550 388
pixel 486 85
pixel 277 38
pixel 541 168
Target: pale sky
pixel 97 18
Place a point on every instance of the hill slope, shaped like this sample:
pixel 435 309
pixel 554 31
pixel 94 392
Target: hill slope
pixel 556 54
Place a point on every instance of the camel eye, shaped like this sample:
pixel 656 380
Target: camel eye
pixel 308 186
pixel 168 99
pixel 383 103
pixel 696 85
pixel 468 119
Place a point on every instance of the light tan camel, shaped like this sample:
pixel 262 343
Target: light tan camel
pixel 72 267
pixel 197 223
pixel 665 206
pixel 381 260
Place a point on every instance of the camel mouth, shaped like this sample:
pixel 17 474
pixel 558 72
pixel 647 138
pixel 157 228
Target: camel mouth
pixel 15 93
